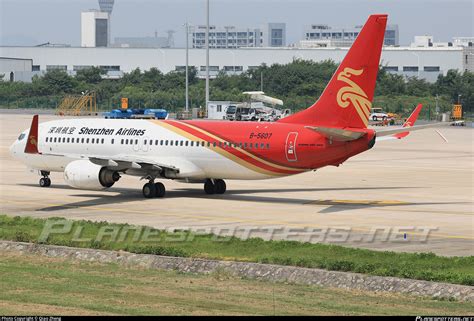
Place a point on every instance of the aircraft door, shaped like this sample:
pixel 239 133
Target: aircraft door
pixel 136 144
pixel 290 147
pixel 145 144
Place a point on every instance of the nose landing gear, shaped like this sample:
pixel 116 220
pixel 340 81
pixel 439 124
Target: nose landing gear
pixel 45 181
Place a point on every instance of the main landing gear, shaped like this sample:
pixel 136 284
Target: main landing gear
pixel 214 186
pixel 152 189
pixel 45 181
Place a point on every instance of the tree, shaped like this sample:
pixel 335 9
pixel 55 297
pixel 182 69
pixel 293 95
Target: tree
pixel 58 81
pixel 92 75
pixel 132 78
pixel 389 84
pixel 455 84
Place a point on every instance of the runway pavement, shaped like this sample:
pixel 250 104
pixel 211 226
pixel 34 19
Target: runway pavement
pixel 410 195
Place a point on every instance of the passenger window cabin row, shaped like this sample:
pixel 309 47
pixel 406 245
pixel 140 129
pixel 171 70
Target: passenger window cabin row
pixel 157 142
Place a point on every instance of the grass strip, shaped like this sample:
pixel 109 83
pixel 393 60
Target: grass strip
pixel 84 234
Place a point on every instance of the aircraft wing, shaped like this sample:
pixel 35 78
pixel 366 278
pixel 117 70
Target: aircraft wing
pixel 123 162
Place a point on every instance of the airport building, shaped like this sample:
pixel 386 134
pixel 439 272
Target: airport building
pixel 423 62
pixel 106 6
pixel 325 36
pixel 95 28
pixel 141 42
pixel 270 35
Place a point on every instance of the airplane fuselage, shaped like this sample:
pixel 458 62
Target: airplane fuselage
pixel 199 149
pixel 94 153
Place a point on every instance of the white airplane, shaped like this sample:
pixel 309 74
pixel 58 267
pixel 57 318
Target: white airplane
pixel 94 153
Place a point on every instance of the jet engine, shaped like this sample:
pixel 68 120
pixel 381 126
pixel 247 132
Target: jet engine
pixel 83 174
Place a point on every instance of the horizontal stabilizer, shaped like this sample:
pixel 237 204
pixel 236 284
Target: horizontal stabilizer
pixel 338 134
pixel 388 132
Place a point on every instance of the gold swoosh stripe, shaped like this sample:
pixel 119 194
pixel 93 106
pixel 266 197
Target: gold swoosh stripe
pixel 219 150
pixel 245 152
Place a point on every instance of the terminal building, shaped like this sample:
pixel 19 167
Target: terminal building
pixel 21 63
pixel 141 42
pixel 270 35
pixel 326 36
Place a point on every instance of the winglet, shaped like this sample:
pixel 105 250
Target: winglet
pixel 32 141
pixel 410 121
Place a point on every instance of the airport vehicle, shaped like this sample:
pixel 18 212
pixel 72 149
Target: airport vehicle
pixel 244 112
pixel 378 114
pixel 118 114
pixel 231 112
pixel 136 114
pixel 149 114
pixel 95 153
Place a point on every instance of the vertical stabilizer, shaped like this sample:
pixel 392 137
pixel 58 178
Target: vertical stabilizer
pixel 347 99
pixel 31 146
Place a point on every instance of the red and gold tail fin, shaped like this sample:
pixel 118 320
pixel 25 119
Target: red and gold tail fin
pixel 347 99
pixel 32 141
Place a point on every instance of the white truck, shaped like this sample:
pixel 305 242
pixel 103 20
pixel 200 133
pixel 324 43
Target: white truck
pixel 255 109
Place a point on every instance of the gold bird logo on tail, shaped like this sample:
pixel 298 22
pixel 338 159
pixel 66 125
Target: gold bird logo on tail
pixel 353 94
pixel 33 141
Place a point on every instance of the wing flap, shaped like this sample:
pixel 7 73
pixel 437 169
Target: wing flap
pixel 122 162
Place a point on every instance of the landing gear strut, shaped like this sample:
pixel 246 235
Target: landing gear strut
pixel 45 181
pixel 214 186
pixel 152 189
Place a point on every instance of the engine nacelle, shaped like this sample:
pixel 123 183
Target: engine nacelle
pixel 83 174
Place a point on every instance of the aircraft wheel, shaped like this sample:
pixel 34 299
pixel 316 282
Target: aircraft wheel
pixel 209 187
pixel 220 186
pixel 149 190
pixel 45 182
pixel 160 190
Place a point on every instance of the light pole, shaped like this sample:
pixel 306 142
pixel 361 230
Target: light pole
pixel 437 106
pixel 207 53
pixel 187 65
pixel 459 99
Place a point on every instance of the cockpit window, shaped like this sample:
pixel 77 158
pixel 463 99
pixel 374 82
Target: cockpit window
pixel 22 135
